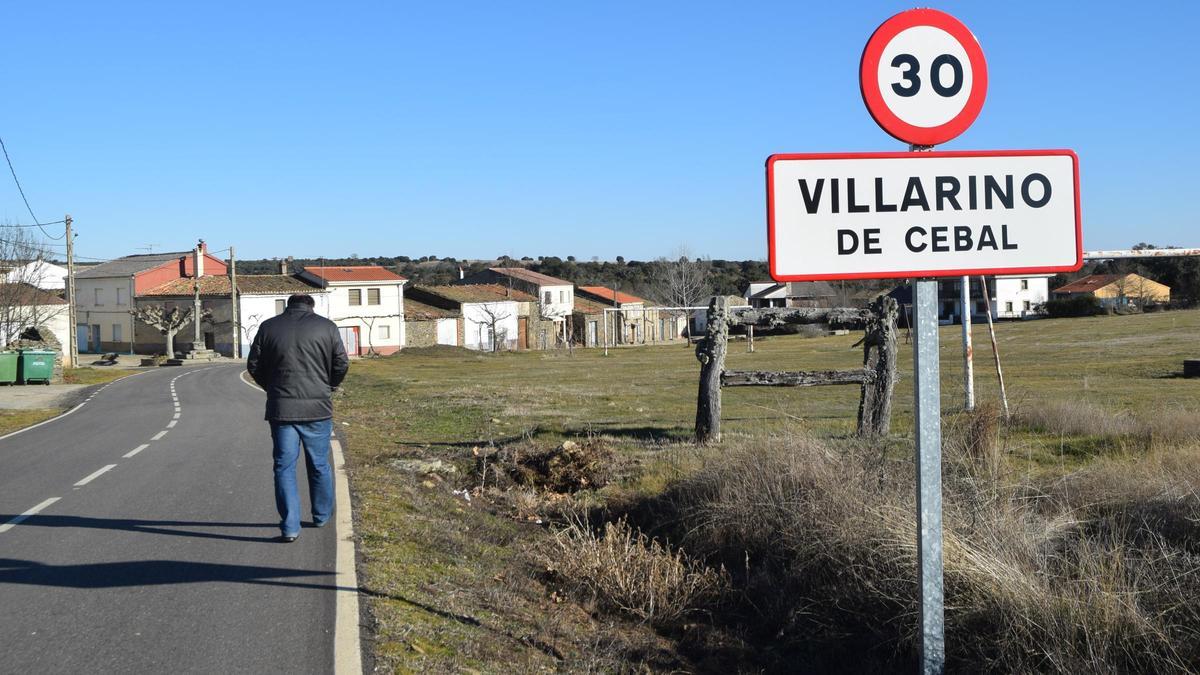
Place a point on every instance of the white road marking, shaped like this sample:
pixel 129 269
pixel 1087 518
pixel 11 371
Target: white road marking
pixel 159 435
pixel 31 512
pixel 95 475
pixel 172 423
pixel 136 450
pixel 347 656
pixel 176 415
pixel 83 403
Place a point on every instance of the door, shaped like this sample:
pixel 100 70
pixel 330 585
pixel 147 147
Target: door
pixel 349 339
pixel 81 337
pixel 591 334
pixel 95 339
pixel 522 332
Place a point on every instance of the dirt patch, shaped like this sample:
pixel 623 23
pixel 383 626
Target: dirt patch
pixel 563 469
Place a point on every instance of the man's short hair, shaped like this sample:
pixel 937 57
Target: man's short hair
pixel 301 299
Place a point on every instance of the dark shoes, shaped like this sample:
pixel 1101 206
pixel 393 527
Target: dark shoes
pixel 287 538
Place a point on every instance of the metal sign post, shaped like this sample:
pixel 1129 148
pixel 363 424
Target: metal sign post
pixel 928 397
pixel 964 299
pixel 924 215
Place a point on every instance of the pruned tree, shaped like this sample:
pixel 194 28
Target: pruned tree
pixel 168 320
pixel 494 316
pixel 23 304
pixel 683 281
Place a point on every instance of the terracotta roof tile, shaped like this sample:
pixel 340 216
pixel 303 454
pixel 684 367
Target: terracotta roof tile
pixel 607 294
pixel 531 276
pixel 419 311
pixel 479 293
pixel 248 284
pixel 1089 283
pixel 354 273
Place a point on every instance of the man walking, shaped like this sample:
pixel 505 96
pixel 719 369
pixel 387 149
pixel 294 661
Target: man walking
pixel 298 358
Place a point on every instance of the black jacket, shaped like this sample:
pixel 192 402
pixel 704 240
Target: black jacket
pixel 298 358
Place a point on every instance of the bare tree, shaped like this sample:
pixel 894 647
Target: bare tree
pixel 493 318
pixel 22 271
pixel 683 281
pixel 168 320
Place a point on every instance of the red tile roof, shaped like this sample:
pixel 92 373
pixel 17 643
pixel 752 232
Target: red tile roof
pixel 584 305
pixel 608 294
pixel 248 284
pixel 1090 283
pixel 419 311
pixel 479 293
pixel 26 295
pixel 337 273
pixel 531 276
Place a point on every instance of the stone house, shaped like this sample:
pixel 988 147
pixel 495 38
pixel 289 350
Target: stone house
pixel 489 315
pixel 554 301
pixel 427 325
pixel 260 297
pixel 105 293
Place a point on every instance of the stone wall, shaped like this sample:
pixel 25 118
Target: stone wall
pixel 420 333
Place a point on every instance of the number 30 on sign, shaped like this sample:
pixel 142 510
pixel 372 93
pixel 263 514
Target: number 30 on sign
pixel 923 77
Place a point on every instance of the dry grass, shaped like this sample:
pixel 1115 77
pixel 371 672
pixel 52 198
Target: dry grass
pixel 1083 577
pixel 621 568
pixel 1081 418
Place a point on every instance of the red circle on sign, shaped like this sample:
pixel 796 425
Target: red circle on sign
pixel 868 77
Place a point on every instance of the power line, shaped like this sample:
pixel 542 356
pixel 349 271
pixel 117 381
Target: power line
pixel 22 191
pixel 18 225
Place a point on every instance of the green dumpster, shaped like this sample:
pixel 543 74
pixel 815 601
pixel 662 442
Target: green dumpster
pixel 8 367
pixel 36 365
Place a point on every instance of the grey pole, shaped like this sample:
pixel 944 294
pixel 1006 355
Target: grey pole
pixel 968 350
pixel 929 474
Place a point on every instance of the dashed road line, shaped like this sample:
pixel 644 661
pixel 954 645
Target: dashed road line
pixel 159 435
pixel 31 512
pixel 172 423
pixel 103 470
pixel 176 415
pixel 136 450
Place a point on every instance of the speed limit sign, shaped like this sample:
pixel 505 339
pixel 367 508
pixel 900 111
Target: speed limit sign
pixel 923 77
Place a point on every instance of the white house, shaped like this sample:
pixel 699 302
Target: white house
pixel 367 304
pixel 260 297
pixel 24 306
pixel 38 273
pixel 555 297
pixel 491 313
pixel 1011 297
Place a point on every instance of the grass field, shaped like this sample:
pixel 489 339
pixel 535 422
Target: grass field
pixel 11 420
pixel 453 585
pixel 86 375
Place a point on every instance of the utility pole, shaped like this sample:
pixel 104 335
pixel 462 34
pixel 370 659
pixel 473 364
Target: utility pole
pixel 236 321
pixel 73 351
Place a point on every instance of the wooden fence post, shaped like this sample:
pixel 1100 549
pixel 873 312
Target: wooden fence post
pixel 879 362
pixel 710 351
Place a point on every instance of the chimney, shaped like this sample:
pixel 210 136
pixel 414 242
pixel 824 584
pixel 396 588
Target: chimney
pixel 283 266
pixel 461 275
pixel 198 260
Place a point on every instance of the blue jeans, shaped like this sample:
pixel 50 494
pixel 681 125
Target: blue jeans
pixel 287 438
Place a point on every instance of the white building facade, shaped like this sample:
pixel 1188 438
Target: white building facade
pixel 367 304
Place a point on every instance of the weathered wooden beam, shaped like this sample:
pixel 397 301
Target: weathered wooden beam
pixel 802 378
pixel 778 316
pixel 710 351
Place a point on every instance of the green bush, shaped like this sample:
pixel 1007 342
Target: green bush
pixel 1076 305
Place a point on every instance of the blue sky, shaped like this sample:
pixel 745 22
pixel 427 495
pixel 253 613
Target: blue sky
pixel 585 129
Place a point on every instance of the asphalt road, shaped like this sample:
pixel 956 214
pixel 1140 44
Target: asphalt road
pixel 153 551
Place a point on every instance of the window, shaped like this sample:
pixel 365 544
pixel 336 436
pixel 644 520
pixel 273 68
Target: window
pixel 1025 286
pixel 549 298
pixel 280 305
pixel 120 297
pixel 99 297
pixel 372 296
pixel 385 332
pixel 355 296
pixel 562 296
pixel 1026 305
pixel 116 332
pixel 1008 307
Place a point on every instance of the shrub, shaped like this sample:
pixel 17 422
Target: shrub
pixel 1075 305
pixel 823 540
pixel 623 569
